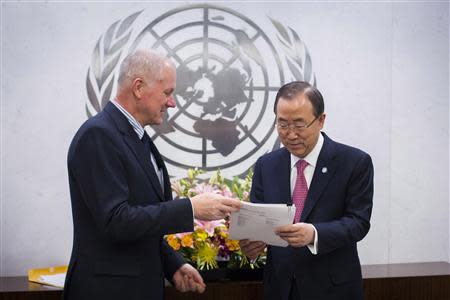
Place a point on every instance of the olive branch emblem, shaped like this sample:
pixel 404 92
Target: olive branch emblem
pixel 298 58
pixel 101 77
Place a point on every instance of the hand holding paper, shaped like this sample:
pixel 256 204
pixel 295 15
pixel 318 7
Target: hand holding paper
pixel 210 206
pixel 297 235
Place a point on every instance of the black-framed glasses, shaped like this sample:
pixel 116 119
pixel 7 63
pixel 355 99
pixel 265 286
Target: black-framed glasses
pixel 296 126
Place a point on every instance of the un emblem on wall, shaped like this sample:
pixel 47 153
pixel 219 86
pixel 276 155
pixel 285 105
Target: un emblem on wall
pixel 228 73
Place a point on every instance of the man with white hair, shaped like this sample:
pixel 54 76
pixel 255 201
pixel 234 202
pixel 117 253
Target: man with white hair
pixel 121 196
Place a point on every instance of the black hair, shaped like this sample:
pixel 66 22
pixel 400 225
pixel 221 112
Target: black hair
pixel 291 90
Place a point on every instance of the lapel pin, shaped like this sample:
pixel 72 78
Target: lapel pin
pixel 324 170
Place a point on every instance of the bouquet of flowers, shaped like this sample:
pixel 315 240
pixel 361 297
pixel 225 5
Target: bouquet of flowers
pixel 208 245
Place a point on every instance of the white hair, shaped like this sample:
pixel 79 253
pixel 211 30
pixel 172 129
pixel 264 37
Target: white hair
pixel 143 63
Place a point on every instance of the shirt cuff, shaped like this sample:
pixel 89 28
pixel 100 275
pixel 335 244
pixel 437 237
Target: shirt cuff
pixel 313 247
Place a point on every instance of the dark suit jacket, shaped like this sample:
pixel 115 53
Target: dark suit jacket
pixel 120 215
pixel 339 205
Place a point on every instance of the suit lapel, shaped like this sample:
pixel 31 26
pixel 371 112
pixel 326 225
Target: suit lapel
pixel 136 146
pixel 325 169
pixel 167 187
pixel 283 172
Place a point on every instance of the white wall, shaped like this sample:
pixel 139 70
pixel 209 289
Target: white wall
pixel 383 69
pixel 420 125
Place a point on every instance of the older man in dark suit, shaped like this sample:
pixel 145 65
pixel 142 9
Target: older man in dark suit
pixel 121 194
pixel 331 185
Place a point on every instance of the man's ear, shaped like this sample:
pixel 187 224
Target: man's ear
pixel 137 87
pixel 322 120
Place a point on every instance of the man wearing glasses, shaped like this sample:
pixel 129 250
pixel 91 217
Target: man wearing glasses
pixel 331 186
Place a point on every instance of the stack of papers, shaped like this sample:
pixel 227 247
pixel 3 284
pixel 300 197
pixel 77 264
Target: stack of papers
pixel 257 222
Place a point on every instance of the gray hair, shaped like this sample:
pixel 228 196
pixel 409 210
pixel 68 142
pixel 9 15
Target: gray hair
pixel 143 63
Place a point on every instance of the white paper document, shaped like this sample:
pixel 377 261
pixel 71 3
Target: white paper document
pixel 55 279
pixel 257 222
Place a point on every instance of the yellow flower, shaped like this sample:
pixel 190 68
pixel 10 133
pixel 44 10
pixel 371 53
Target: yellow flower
pixel 173 242
pixel 187 241
pixel 201 234
pixel 223 234
pixel 233 245
pixel 206 257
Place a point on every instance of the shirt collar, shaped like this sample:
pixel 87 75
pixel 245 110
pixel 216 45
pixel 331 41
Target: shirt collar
pixel 312 157
pixel 135 124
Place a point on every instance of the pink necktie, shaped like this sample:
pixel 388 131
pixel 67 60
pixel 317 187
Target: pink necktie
pixel 300 190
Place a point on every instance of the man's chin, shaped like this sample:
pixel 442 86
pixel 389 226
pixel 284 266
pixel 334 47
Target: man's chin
pixel 156 122
pixel 297 151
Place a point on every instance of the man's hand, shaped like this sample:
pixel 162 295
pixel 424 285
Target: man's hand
pixel 187 279
pixel 251 249
pixel 209 206
pixel 297 235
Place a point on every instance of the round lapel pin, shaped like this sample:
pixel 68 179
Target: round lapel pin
pixel 324 170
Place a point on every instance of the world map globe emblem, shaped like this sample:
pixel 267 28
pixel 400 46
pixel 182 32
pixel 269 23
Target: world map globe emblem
pixel 228 73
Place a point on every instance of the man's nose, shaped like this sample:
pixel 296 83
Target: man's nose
pixel 292 134
pixel 171 102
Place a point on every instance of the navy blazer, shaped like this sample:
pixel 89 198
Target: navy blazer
pixel 338 204
pixel 120 214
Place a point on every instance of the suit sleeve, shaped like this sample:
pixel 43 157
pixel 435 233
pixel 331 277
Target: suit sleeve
pixel 172 260
pixel 97 167
pixel 257 191
pixel 355 222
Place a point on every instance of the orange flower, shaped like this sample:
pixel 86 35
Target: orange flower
pixel 187 241
pixel 173 242
pixel 233 245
